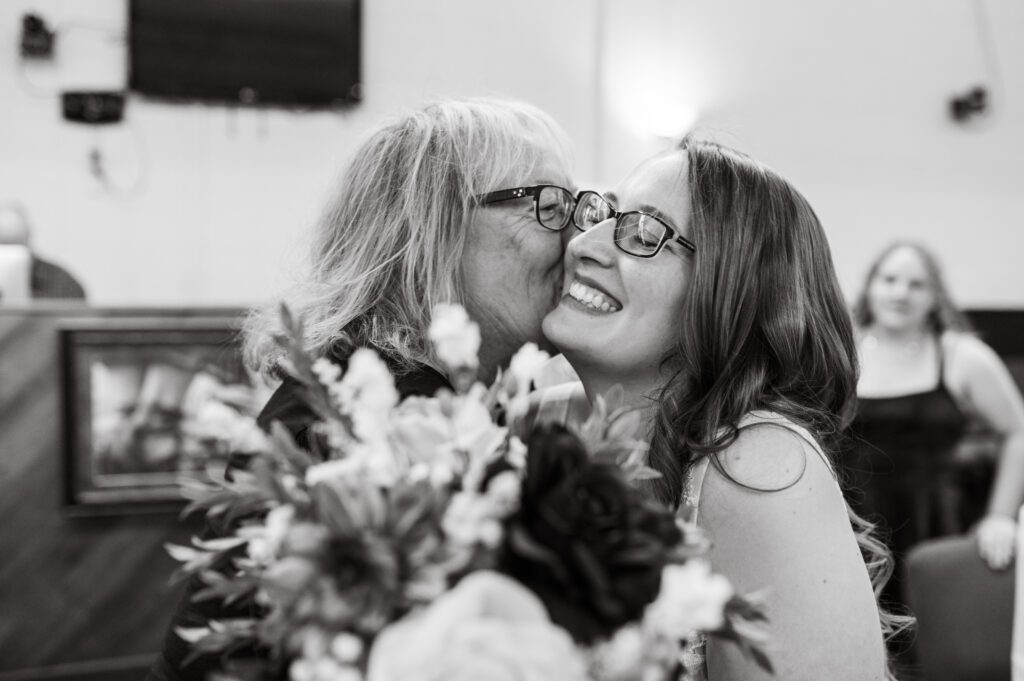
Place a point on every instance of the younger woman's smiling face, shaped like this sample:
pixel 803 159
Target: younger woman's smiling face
pixel 619 313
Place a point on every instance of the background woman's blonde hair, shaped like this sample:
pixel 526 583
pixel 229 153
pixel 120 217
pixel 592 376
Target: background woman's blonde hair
pixel 388 247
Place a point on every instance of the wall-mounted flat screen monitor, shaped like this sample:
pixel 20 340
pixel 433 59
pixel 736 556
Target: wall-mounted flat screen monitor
pixel 291 53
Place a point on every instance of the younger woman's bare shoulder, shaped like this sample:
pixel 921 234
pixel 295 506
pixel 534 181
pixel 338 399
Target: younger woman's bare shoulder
pixel 770 468
pixel 766 457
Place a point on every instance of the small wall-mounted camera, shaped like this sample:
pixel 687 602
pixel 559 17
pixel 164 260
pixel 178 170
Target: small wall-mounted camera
pixel 36 38
pixel 95 108
pixel 972 103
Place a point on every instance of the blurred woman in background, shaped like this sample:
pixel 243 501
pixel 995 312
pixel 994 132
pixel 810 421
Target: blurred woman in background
pixel 924 377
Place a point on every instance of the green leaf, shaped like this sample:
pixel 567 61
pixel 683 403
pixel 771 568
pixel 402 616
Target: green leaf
pixel 219 544
pixel 228 590
pixel 640 473
pixel 184 554
pixel 333 510
pixel 284 444
pixel 224 635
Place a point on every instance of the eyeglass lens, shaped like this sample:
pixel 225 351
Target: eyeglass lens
pixel 554 207
pixel 635 233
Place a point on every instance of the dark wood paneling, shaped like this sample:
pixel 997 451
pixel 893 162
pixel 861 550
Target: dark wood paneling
pixel 1004 331
pixel 80 597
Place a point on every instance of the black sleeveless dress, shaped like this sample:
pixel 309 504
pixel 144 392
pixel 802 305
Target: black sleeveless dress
pixel 899 470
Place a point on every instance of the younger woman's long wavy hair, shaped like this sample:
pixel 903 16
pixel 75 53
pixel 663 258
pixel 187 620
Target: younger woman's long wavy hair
pixel 388 247
pixel 945 316
pixel 764 327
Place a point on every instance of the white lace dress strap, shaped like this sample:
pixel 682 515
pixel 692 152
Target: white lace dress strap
pixel 690 508
pixel 761 417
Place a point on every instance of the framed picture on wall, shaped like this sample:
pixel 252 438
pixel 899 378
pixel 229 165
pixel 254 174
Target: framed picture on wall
pixel 132 391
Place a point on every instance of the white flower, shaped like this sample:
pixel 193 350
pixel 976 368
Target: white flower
pixel 371 461
pixel 322 669
pixel 474 430
pixel 421 433
pixel 691 599
pixel 330 470
pixel 524 368
pixel 215 420
pixel 473 518
pixel 516 454
pixel 369 378
pixel 326 371
pixel 367 393
pixel 527 363
pixel 265 545
pixel 504 489
pixel 456 338
pixel 338 436
pixel 438 475
pixel 475 434
pixel 346 648
pixel 314 642
pixel 488 627
pixel 248 437
pixel 620 658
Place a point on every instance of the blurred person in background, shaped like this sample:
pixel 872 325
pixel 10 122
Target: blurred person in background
pixel 463 201
pixel 924 377
pixel 46 279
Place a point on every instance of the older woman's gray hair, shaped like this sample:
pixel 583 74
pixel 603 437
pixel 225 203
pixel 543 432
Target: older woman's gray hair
pixel 389 245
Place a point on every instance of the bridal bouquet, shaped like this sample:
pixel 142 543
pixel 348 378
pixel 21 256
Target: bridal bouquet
pixel 424 539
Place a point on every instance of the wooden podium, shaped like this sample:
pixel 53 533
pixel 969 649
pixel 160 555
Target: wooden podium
pixel 84 596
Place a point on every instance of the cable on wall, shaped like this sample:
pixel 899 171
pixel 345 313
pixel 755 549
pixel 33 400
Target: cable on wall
pixel 977 100
pixel 134 187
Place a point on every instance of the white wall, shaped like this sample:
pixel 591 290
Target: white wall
pixel 229 194
pixel 846 99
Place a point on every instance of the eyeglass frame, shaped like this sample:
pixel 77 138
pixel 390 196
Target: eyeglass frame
pixel 617 215
pixel 534 193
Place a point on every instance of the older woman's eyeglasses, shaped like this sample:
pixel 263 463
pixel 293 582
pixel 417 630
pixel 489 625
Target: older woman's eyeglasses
pixel 636 233
pixel 552 204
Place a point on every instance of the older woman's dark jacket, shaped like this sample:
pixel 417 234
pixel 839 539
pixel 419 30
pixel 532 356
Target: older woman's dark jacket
pixel 287 407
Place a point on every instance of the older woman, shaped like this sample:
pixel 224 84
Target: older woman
pixel 462 201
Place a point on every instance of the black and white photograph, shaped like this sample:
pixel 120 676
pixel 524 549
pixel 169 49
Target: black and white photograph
pixel 557 340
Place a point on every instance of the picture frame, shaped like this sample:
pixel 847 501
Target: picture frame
pixel 130 389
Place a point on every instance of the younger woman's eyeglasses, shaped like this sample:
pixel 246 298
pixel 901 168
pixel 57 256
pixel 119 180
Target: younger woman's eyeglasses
pixel 637 233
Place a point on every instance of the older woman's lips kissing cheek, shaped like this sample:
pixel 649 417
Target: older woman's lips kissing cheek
pixel 587 295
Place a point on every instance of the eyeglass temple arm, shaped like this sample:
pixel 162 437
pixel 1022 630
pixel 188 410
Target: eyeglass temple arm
pixel 506 195
pixel 686 243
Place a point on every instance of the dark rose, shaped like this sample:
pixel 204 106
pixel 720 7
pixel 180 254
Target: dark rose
pixel 589 544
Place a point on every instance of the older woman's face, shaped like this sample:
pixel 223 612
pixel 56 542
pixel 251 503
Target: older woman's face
pixel 900 294
pixel 512 266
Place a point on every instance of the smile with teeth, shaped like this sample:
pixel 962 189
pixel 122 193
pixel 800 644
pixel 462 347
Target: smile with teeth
pixel 592 298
